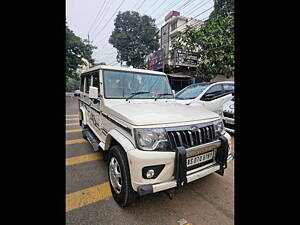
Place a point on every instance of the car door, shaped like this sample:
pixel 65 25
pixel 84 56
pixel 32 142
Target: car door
pixel 212 99
pixel 96 111
pixel 228 91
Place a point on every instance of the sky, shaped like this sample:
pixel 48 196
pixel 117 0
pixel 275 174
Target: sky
pixel 95 18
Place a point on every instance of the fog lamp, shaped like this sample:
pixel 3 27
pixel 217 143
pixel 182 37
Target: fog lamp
pixel 150 173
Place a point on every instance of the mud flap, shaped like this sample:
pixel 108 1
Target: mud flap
pixel 180 166
pixel 222 154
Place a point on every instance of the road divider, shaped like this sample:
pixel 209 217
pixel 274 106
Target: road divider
pixel 87 196
pixel 73 131
pixel 76 141
pixel 83 158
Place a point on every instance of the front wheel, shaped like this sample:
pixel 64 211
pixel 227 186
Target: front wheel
pixel 119 177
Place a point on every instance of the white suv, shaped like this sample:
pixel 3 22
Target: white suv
pixel 151 142
pixel 211 96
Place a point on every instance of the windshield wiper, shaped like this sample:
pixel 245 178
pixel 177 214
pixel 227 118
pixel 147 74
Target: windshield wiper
pixel 136 93
pixel 159 95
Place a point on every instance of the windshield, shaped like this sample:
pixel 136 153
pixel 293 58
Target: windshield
pixel 119 84
pixel 191 92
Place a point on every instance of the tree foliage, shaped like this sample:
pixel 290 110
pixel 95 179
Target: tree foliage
pixel 134 37
pixel 214 44
pixel 78 52
pixel 222 8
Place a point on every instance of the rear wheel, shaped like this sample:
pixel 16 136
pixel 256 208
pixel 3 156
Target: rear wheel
pixel 119 177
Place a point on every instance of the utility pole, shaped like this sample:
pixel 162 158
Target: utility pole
pixel 89 43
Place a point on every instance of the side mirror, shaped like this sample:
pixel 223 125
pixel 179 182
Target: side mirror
pixel 207 96
pixel 232 93
pixel 173 91
pixel 93 92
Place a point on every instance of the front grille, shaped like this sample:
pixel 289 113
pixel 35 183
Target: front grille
pixel 227 114
pixel 191 137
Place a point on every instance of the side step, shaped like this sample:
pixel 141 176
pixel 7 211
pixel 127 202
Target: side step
pixel 92 139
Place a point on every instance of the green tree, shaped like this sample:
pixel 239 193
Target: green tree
pixel 78 52
pixel 134 37
pixel 222 8
pixel 214 44
pixel 72 84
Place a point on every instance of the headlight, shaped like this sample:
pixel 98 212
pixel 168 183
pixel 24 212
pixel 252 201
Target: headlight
pixel 219 128
pixel 151 139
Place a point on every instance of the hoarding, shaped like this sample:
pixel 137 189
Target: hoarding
pixel 155 60
pixel 183 58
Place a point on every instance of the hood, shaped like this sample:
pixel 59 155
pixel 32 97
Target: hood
pixel 184 101
pixel 159 113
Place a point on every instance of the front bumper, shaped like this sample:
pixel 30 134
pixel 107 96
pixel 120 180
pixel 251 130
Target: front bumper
pixel 153 188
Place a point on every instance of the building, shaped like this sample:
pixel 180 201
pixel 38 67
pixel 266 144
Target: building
pixel 180 66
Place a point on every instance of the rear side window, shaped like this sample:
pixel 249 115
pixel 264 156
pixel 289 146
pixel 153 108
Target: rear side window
pixel 228 88
pixel 82 84
pixel 87 83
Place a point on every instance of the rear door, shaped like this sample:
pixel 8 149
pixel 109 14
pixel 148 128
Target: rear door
pixel 96 109
pixel 213 99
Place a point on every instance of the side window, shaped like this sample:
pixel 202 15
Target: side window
pixel 216 90
pixel 87 83
pixel 228 88
pixel 96 81
pixel 82 83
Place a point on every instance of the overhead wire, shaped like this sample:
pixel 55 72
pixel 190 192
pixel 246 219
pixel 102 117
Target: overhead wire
pixel 142 3
pixel 103 15
pixel 109 20
pixel 100 10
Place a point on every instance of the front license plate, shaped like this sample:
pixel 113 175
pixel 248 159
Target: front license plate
pixel 199 158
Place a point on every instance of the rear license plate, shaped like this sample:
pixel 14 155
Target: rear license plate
pixel 199 158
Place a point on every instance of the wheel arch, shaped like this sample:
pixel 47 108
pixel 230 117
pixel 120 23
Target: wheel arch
pixel 114 137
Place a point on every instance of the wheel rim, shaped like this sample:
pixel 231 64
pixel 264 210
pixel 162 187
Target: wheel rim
pixel 115 175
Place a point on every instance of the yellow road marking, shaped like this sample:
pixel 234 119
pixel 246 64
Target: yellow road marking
pixel 75 118
pixel 75 141
pixel 71 115
pixel 72 124
pixel 73 131
pixel 83 158
pixel 87 196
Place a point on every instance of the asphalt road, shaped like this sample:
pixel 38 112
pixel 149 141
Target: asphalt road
pixel 209 200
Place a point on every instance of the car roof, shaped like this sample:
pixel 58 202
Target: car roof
pixel 210 83
pixel 125 69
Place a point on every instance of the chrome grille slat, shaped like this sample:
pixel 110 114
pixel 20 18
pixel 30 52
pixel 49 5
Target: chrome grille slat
pixel 180 139
pixel 191 137
pixel 185 137
pixel 208 133
pixel 200 136
pixel 174 139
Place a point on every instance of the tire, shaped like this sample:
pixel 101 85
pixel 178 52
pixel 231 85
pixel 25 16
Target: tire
pixel 123 195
